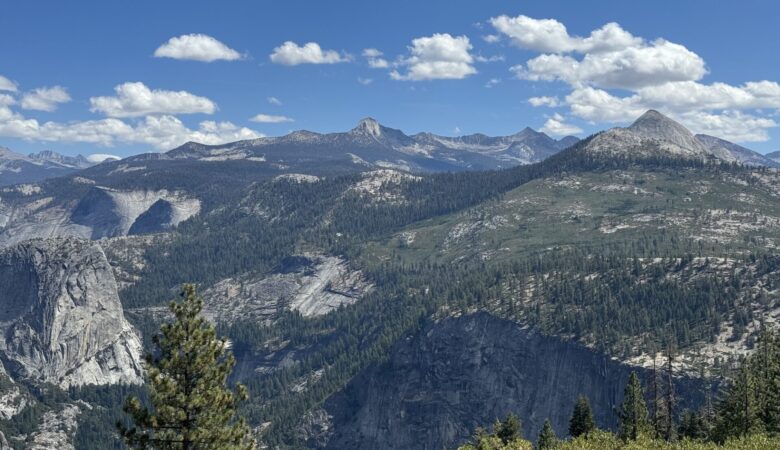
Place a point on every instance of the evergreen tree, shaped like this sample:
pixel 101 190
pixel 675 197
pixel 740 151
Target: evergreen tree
pixel 191 407
pixel 693 426
pixel 669 429
pixel 509 430
pixel 739 411
pixel 581 422
pixel 633 411
pixel 547 438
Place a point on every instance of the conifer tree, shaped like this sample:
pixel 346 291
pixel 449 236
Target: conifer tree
pixel 581 422
pixel 509 430
pixel 191 407
pixel 547 438
pixel 633 411
pixel 693 426
pixel 739 412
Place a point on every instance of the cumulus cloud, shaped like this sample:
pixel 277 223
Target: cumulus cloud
pixel 196 47
pixel 551 102
pixel 491 38
pixel 557 126
pixel 628 68
pixel 730 125
pixel 97 158
pixel 161 132
pixel 7 85
pixel 291 54
pixel 274 101
pixel 136 99
pixel 549 35
pixel 599 106
pixel 374 58
pixel 615 76
pixel 7 100
pixel 440 56
pixel 268 118
pixel 365 81
pixel 45 98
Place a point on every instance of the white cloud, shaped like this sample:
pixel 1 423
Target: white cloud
pixel 268 118
pixel 274 101
pixel 45 98
pixel 374 58
pixel 597 105
pixel 687 95
pixel 628 68
pixel 196 47
pixel 551 102
pixel 549 35
pixel 166 132
pixel 492 82
pixel 162 132
pixel 97 158
pixel 557 126
pixel 440 56
pixel 489 59
pixel 491 38
pixel 730 125
pixel 136 99
pixel 365 81
pixel 7 100
pixel 7 85
pixel 291 54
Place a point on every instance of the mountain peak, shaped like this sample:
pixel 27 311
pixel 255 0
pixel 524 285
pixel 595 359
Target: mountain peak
pixel 654 125
pixel 368 127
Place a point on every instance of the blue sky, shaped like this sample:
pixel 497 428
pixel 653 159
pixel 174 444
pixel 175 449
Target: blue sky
pixel 82 77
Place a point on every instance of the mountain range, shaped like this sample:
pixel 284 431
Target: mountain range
pixel 16 168
pixel 372 144
pixel 356 270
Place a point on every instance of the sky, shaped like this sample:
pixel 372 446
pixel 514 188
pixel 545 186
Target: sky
pixel 112 77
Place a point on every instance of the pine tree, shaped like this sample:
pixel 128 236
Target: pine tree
pixel 765 364
pixel 693 426
pixel 739 412
pixel 191 407
pixel 669 403
pixel 633 411
pixel 581 422
pixel 547 438
pixel 509 430
pixel 656 408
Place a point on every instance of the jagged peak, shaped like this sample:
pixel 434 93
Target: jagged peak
pixel 368 126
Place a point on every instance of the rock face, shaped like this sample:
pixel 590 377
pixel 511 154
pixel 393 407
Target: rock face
pixel 101 212
pixel 465 372
pixel 56 430
pixel 61 318
pixel 312 285
pixel 654 125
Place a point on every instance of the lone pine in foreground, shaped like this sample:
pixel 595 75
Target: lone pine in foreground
pixel 191 406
